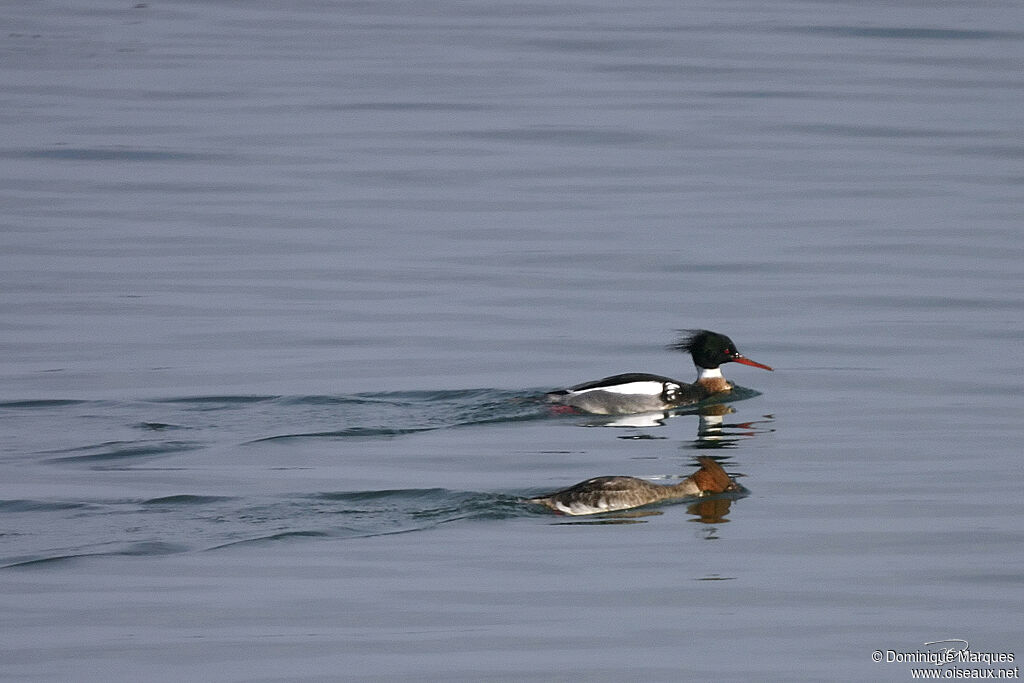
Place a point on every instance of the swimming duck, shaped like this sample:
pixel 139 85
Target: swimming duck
pixel 607 494
pixel 638 392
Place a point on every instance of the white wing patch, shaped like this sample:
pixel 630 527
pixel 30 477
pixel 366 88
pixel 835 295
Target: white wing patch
pixel 647 388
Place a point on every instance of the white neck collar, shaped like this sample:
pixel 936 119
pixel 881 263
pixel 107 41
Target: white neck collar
pixel 709 373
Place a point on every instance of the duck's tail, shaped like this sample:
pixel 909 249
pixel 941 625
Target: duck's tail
pixel 711 478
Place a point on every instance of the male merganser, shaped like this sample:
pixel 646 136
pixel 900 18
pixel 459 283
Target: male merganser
pixel 638 392
pixel 607 494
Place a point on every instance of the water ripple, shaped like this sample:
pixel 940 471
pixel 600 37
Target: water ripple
pixel 118 451
pixel 904 32
pixel 207 512
pixel 189 522
pixel 110 154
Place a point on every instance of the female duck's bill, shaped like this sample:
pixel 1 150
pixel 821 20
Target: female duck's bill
pixel 608 494
pixel 638 392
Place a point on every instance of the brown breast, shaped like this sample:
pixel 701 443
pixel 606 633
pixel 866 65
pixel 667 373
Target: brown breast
pixel 714 385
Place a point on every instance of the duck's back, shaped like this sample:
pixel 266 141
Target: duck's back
pixel 633 392
pixel 606 494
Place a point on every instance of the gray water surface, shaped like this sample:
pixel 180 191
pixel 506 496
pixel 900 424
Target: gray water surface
pixel 280 285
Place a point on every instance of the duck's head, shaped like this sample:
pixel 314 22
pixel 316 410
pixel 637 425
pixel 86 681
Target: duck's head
pixel 710 349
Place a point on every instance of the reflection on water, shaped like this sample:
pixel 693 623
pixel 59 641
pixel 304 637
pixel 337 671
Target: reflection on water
pixel 712 429
pixel 714 432
pixel 710 511
pixel 619 517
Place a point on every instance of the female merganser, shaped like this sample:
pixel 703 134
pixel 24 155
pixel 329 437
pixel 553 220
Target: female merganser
pixel 638 392
pixel 607 494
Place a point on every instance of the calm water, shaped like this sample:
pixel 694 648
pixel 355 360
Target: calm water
pixel 281 283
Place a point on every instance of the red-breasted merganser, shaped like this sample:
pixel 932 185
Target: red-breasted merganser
pixel 638 392
pixel 607 494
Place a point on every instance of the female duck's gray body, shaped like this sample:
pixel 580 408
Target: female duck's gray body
pixel 607 494
pixel 641 393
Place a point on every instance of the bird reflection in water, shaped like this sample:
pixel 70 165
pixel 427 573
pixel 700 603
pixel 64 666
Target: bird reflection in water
pixel 712 429
pixel 710 512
